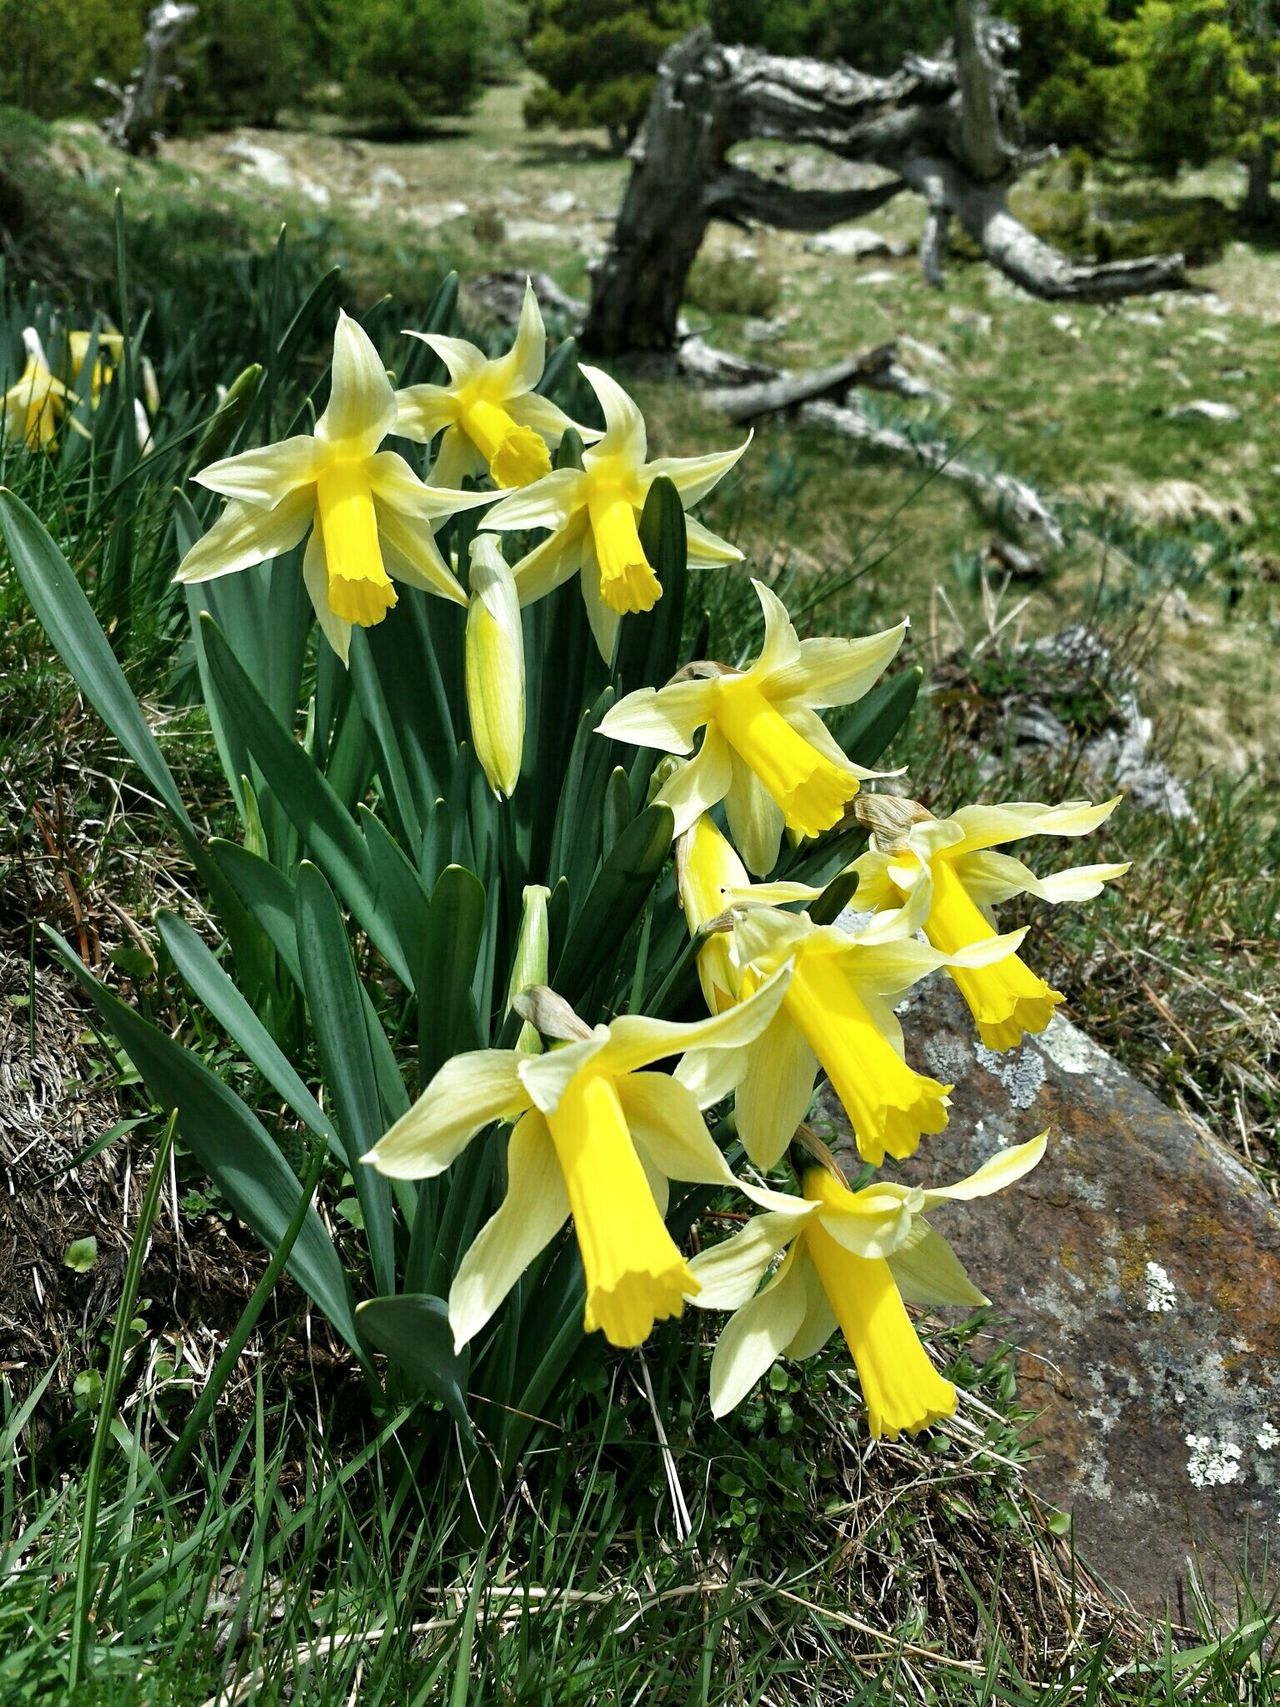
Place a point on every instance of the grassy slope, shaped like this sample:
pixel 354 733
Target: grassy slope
pixel 263 1577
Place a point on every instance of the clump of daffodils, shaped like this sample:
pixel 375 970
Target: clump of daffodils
pixel 596 1120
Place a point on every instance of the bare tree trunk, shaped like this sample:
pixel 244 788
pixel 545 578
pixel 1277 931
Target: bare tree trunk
pixel 143 99
pixel 1259 209
pixel 948 128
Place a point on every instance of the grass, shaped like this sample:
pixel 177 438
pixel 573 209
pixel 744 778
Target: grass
pixel 648 1553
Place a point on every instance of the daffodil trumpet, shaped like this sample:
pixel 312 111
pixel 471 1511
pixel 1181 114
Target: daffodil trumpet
pixel 853 1260
pixel 764 751
pixel 369 517
pixel 594 1137
pixel 593 516
pixel 942 876
pixel 490 416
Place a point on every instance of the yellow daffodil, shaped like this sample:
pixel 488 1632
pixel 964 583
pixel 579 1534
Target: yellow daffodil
pixel 495 666
pixel 941 874
pixel 852 1257
pixel 369 515
pixel 765 752
pixel 108 347
pixel 594 514
pixel 36 401
pixel 708 875
pixel 492 418
pixel 594 1137
pixel 837 1013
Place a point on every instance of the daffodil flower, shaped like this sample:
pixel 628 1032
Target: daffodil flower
pixel 36 401
pixel 942 876
pixel 765 752
pixel 593 513
pixel 837 1013
pixel 708 874
pixel 109 347
pixel 492 418
pixel 852 1257
pixel 369 515
pixel 495 666
pixel 594 1137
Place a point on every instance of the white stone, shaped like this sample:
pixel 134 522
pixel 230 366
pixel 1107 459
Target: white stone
pixel 853 242
pixel 1162 1295
pixel 1204 409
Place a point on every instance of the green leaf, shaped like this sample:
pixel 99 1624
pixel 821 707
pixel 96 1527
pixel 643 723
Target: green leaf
pixel 872 722
pixel 211 985
pixel 447 1019
pixel 238 1154
pixel 267 894
pixel 324 823
pixel 81 1254
pixel 337 1004
pixel 413 1329
pixel 615 901
pixel 67 618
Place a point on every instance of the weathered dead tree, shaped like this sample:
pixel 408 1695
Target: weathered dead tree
pixel 948 128
pixel 136 126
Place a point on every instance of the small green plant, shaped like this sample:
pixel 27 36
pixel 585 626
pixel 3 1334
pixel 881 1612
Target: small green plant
pixel 723 284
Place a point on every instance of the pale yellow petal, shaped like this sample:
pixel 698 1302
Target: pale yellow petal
pixel 469 1092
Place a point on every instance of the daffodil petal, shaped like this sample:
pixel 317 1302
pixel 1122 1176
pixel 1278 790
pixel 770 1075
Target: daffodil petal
pixel 635 1041
pixel 469 1092
pixel 701 784
pixel 422 411
pixel 545 418
pixel 985 826
pixel 315 577
pixel 755 823
pixel 624 424
pixel 533 1211
pixel 266 475
pixel 663 718
pixel 521 368
pixel 550 564
pixel 394 482
pixel 362 405
pixel 995 1174
pixel 694 476
pixel 603 620
pixel 706 550
pixel 411 554
pixel 819 1321
pixel 463 360
pixel 781 647
pixel 667 1126
pixel 755 1337
pixel 837 672
pixel 775 1092
pixel 877 1222
pixel 927 1271
pixel 730 1273
pixel 244 535
pixel 546 503
pixel 457 459
pixel 991 878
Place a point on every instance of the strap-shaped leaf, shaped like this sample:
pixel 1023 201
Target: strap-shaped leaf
pixel 868 727
pixel 327 828
pixel 209 982
pixel 615 901
pixel 337 1003
pixel 447 1019
pixel 266 893
pixel 236 1151
pixel 67 618
pixel 413 1329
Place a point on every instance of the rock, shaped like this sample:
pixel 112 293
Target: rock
pixel 387 178
pixel 765 331
pixel 442 213
pixel 880 276
pixel 1137 1269
pixel 925 352
pixel 264 163
pixel 855 243
pixel 536 231
pixel 560 202
pixel 501 294
pixel 1203 409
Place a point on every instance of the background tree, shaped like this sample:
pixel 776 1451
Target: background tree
pixel 405 62
pixel 870 35
pixel 1067 63
pixel 248 59
pixel 598 59
pixel 1201 79
pixel 53 50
